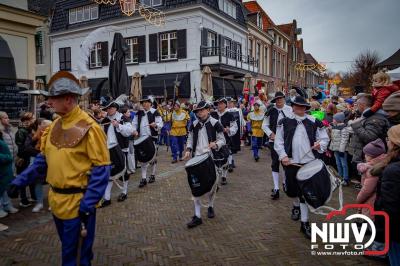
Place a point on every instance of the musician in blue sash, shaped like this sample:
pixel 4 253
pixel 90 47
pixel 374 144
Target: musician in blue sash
pixel 299 139
pixel 205 134
pixel 275 113
pixel 118 129
pixel 147 122
pixel 230 128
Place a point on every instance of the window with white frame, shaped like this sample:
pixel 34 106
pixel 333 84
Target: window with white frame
pixel 274 63
pixel 266 57
pixel 228 48
pixel 133 50
pixel 259 21
pixel 95 56
pixel 258 53
pixel 152 2
pixel 239 51
pixel 168 46
pixel 278 65
pixel 250 47
pixel 283 67
pixel 212 43
pixel 83 13
pixel 228 7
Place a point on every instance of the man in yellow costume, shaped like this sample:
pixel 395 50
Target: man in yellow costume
pixel 76 162
pixel 179 119
pixel 256 119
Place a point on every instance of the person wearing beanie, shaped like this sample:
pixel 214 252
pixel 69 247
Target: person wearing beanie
pixel 338 146
pixel 392 107
pixel 388 196
pixel 374 153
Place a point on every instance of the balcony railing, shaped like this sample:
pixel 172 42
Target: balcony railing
pixel 215 55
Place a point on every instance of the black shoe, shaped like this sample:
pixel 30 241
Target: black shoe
pixel 275 194
pixel 230 168
pixel 104 203
pixel 256 158
pixel 284 187
pixel 122 197
pixel 210 212
pixel 142 183
pixel 152 179
pixel 25 203
pixel 223 181
pixel 174 161
pixel 305 228
pixel 194 222
pixel 233 164
pixel 295 213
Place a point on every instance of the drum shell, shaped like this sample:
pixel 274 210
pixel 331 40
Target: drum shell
pixel 201 177
pixel 145 151
pixel 117 160
pixel 316 190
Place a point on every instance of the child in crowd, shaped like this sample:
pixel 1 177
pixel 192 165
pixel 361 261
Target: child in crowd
pixel 339 147
pixel 374 152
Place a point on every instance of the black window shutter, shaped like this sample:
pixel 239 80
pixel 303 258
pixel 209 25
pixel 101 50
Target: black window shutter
pixel 204 37
pixel 104 53
pixel 68 58
pixel 153 44
pixel 182 51
pixel 142 48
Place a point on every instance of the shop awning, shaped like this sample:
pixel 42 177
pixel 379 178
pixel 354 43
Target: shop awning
pixel 155 84
pixel 227 87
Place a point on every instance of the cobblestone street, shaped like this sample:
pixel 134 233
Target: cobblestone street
pixel 149 228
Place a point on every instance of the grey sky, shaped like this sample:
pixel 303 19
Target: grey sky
pixel 338 30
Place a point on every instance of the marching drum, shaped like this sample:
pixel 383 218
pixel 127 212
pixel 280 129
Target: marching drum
pixel 117 158
pixel 145 149
pixel 316 183
pixel 221 156
pixel 201 174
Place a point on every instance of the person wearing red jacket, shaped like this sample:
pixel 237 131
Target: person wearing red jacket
pixel 382 88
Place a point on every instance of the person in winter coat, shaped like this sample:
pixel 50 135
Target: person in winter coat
pixel 388 195
pixel 6 170
pixel 392 107
pixel 335 146
pixel 382 89
pixel 365 129
pixel 330 112
pixel 374 153
pixel 23 156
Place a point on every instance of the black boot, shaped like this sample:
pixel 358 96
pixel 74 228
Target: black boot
pixel 284 187
pixel 223 181
pixel 142 183
pixel 305 228
pixel 275 194
pixel 230 168
pixel 152 179
pixel 295 213
pixel 122 197
pixel 256 158
pixel 233 164
pixel 210 212
pixel 104 203
pixel 194 222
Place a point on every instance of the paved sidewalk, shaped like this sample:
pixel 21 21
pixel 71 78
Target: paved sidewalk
pixel 149 228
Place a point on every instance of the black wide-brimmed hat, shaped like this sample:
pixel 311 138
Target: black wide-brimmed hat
pixel 201 105
pixel 300 101
pixel 223 99
pixel 146 99
pixel 110 103
pixel 278 95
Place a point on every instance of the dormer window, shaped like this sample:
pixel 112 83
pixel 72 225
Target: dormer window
pixel 259 21
pixel 83 13
pixel 228 7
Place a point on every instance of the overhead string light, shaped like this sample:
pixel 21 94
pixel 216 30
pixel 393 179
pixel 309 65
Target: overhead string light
pixel 129 7
pixel 305 67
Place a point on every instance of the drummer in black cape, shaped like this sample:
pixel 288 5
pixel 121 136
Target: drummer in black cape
pixel 118 129
pixel 206 134
pixel 299 139
pixel 147 123
pixel 238 116
pixel 230 128
pixel 275 112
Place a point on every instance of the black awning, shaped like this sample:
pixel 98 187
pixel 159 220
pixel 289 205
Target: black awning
pixel 100 87
pixel 155 84
pixel 7 65
pixel 233 88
